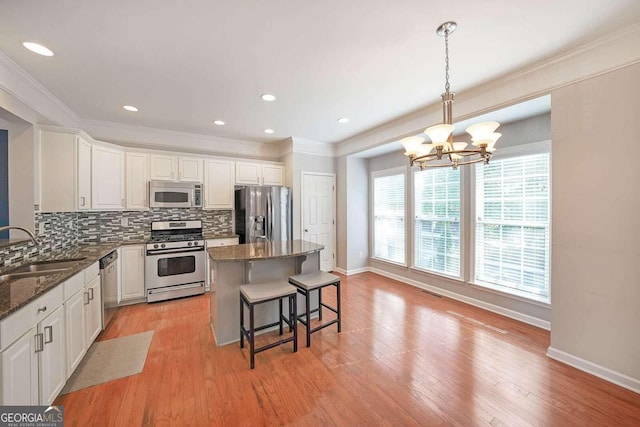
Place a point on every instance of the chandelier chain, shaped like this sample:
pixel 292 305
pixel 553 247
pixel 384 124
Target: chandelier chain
pixel 446 60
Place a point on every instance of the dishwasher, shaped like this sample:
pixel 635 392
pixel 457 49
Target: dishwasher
pixel 109 285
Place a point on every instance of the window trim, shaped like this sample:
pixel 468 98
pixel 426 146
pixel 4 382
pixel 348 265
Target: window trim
pixel 540 147
pixel 398 170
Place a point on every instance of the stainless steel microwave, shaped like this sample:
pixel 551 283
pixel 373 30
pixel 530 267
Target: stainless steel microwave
pixel 169 194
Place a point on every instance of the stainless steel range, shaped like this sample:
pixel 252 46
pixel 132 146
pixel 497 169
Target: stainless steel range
pixel 175 260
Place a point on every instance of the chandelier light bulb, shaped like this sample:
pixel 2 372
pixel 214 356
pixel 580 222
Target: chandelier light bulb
pixel 439 134
pixel 412 144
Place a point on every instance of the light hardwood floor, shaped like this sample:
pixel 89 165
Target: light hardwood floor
pixel 405 357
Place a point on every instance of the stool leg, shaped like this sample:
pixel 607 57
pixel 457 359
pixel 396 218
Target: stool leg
pixel 320 304
pixel 280 315
pixel 252 337
pixel 291 312
pixel 241 323
pixel 308 316
pixel 339 308
pixel 293 304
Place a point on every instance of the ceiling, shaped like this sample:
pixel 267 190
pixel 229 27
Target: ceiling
pixel 185 64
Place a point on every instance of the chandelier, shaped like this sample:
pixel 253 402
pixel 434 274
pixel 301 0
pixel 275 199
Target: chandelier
pixel 443 151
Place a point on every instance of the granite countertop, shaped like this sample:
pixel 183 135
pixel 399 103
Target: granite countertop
pixel 263 250
pixel 15 294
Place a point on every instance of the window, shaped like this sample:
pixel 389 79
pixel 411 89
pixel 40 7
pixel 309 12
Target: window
pixel 388 214
pixel 437 220
pixel 512 240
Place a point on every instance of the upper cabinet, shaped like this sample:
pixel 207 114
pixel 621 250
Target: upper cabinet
pixel 107 170
pixel 172 168
pixel 259 174
pixel 137 177
pixel 65 171
pixel 218 188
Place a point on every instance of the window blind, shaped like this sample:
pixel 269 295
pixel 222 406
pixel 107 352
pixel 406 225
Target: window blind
pixel 437 220
pixel 389 213
pixel 512 242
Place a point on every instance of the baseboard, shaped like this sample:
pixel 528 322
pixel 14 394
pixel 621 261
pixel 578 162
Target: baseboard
pixel 540 323
pixel 606 374
pixel 353 271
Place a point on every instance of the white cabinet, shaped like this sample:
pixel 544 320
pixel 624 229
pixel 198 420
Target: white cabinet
pixel 93 310
pixel 20 371
pixel 107 173
pixel 190 169
pixel 165 167
pixel 52 363
pixel 137 178
pixel 65 171
pixel 33 352
pixel 259 174
pixel 223 241
pixel 132 273
pixel 75 330
pixel 219 184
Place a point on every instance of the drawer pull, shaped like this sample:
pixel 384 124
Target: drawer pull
pixel 86 300
pixel 42 309
pixel 39 343
pixel 90 294
pixel 50 329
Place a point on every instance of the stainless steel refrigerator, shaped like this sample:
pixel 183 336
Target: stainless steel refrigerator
pixel 263 213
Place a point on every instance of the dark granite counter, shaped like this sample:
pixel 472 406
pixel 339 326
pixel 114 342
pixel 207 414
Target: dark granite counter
pixel 263 250
pixel 15 294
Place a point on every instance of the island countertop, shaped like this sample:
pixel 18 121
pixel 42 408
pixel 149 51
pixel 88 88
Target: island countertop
pixel 263 250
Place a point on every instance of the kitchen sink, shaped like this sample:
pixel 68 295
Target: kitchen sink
pixel 42 267
pixel 26 274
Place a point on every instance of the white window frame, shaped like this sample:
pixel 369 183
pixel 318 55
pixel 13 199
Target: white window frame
pixel 379 174
pixel 542 147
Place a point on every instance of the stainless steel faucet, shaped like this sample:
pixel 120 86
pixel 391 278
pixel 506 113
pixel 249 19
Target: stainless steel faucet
pixel 15 227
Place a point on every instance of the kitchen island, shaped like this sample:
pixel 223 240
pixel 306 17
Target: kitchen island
pixel 232 266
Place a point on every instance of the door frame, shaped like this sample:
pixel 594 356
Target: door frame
pixel 303 174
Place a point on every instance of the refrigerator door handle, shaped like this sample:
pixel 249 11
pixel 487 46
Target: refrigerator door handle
pixel 269 219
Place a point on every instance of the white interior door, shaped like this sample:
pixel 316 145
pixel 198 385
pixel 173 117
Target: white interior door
pixel 319 214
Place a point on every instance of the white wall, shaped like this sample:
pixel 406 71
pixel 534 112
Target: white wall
pixel 353 213
pixel 596 227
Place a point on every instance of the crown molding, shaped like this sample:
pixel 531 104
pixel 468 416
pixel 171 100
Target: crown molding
pixel 607 54
pixel 31 101
pixel 315 148
pixel 164 139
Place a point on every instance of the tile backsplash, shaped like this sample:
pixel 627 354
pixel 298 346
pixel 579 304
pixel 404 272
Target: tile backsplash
pixel 58 230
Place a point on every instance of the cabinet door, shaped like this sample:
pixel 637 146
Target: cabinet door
pixel 247 173
pixel 52 369
pixel 84 174
pixel 93 310
pixel 58 172
pixel 219 181
pixel 190 169
pixel 272 175
pixel 20 371
pixel 75 334
pixel 107 178
pixel 132 282
pixel 137 178
pixel 163 167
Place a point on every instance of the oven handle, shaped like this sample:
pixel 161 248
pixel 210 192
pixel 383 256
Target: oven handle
pixel 174 251
pixel 176 288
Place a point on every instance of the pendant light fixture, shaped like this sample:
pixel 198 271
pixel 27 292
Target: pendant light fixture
pixel 443 151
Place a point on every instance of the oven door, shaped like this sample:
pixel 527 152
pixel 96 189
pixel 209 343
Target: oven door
pixel 170 267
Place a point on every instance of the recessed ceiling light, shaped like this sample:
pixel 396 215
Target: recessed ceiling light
pixel 38 48
pixel 219 122
pixel 269 131
pixel 130 108
pixel 268 97
pixel 343 120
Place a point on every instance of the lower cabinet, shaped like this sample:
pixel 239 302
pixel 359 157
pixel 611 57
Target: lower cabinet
pixel 93 310
pixel 75 327
pixel 223 241
pixel 131 273
pixel 33 367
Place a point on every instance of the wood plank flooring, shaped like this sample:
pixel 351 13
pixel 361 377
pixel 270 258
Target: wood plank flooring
pixel 405 357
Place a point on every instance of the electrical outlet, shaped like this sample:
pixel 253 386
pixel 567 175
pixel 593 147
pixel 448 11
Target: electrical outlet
pixel 125 222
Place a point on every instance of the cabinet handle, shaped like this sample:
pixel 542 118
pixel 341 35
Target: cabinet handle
pixel 86 300
pixel 39 343
pixel 180 176
pixel 90 294
pixel 50 329
pixel 122 203
pixel 82 201
pixel 42 309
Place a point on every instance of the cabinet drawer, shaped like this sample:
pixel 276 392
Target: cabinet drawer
pixel 73 285
pixel 24 319
pixel 91 272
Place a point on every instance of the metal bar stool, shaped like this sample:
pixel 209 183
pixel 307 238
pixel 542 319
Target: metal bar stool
pixel 252 295
pixel 306 283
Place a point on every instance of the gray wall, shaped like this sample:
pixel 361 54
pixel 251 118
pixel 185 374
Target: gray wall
pixel 21 176
pixel 596 231
pixel 353 213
